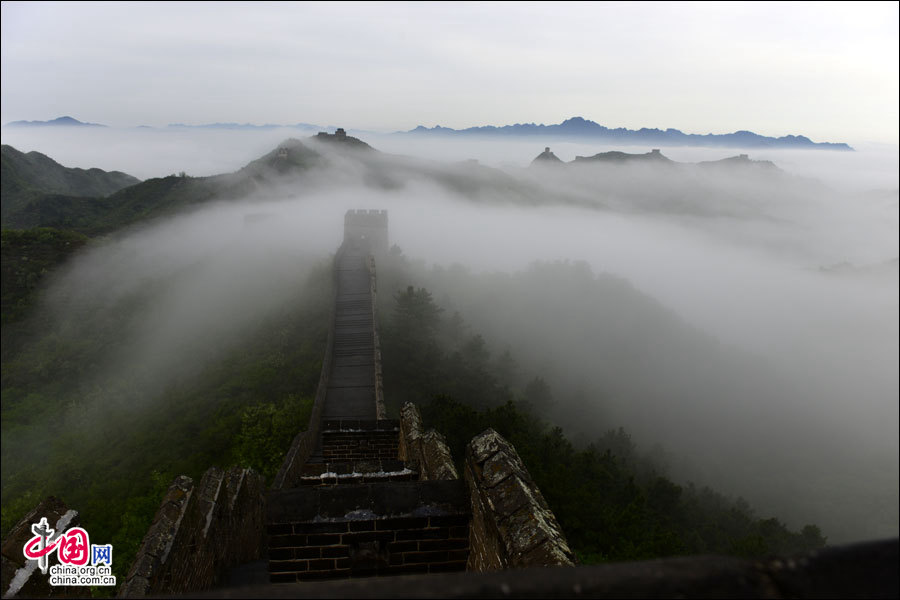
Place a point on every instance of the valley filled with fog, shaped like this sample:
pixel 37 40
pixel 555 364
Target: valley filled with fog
pixel 742 316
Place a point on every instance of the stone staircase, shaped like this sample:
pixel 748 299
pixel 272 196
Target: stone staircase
pixel 358 511
pixel 354 508
pixel 356 451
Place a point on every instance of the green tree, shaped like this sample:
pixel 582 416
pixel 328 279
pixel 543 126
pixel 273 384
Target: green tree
pixel 416 316
pixel 537 396
pixel 267 431
pixel 411 353
pixel 506 368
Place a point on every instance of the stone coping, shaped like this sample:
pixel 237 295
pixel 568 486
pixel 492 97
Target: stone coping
pixel 354 425
pixel 383 499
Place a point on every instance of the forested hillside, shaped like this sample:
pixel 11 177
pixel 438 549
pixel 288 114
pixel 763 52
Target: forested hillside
pixel 62 200
pixel 26 257
pixel 614 500
pixel 27 177
pixel 109 443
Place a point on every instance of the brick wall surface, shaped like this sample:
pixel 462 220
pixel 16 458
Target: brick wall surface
pixel 380 410
pixel 388 546
pixel 359 445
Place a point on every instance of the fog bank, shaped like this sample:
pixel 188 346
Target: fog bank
pixel 770 366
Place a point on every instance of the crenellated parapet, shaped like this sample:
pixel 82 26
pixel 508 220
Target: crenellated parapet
pixel 512 525
pixel 199 532
pixel 425 451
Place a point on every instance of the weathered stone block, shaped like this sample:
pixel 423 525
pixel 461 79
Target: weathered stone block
pixel 522 531
pixel 181 486
pixel 510 495
pixel 436 457
pixel 503 464
pixel 512 526
pixel 487 444
pixel 487 553
pixel 547 555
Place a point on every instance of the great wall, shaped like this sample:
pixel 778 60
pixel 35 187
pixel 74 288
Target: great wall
pixel 374 507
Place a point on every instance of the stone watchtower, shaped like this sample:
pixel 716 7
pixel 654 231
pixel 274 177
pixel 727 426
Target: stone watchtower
pixel 546 158
pixel 367 229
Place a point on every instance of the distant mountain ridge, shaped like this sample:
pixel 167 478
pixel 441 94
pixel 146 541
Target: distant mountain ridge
pixel 242 126
pixel 654 157
pixel 580 128
pixel 73 122
pixel 27 204
pixel 28 178
pixel 29 200
pixel 58 122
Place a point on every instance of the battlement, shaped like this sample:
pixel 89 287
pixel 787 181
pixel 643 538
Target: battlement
pixel 340 139
pixel 367 228
pixel 366 216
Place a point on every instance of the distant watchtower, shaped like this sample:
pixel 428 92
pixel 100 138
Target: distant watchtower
pixel 367 228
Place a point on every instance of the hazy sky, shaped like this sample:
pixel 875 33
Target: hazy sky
pixel 828 71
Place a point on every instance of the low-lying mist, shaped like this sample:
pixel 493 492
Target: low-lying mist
pixel 744 318
pixel 192 286
pixel 157 152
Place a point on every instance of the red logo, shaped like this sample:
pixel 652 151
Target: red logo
pixel 71 547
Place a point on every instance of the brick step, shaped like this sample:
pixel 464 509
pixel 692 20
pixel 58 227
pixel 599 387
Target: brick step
pixel 354 320
pixel 361 338
pixel 344 376
pixel 352 351
pixel 354 283
pixel 353 346
pixel 351 472
pixel 394 528
pixel 355 440
pixel 361 304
